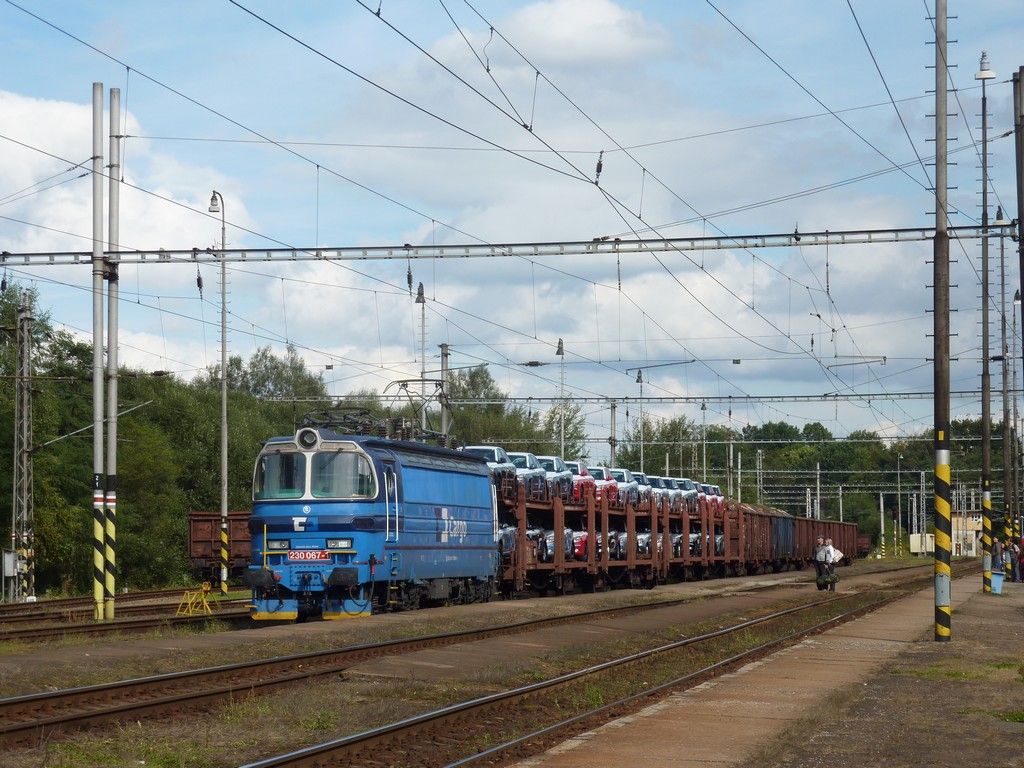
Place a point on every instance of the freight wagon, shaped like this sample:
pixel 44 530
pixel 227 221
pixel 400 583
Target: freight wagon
pixel 652 541
pixel 204 544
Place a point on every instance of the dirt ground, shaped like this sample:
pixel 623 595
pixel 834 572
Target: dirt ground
pixel 944 705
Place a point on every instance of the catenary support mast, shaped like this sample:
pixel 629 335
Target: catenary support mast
pixel 943 524
pixel 98 559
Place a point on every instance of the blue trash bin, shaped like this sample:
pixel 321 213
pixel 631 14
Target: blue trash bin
pixel 997 583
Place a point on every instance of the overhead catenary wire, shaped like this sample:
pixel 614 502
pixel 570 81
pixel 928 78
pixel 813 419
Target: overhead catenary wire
pixel 286 334
pixel 615 203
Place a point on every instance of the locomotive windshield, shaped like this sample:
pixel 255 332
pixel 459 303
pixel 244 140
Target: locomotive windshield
pixel 280 476
pixel 339 475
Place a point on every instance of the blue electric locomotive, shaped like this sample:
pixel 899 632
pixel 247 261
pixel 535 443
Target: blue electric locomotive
pixel 343 525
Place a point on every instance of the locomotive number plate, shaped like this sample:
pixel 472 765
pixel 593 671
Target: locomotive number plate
pixel 309 554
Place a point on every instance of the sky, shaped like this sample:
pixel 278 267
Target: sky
pixel 337 126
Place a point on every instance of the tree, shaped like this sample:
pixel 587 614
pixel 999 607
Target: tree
pixel 269 375
pixel 494 422
pixel 575 431
pixel 675 437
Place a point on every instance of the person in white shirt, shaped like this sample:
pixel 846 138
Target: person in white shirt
pixel 822 558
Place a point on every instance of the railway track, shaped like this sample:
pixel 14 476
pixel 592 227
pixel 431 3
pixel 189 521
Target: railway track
pixel 35 716
pixel 448 733
pixel 32 717
pixel 143 623
pixel 65 603
pixel 83 614
pixel 432 736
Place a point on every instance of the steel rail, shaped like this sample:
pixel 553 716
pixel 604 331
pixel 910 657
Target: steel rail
pixel 452 251
pixel 718 666
pixel 70 708
pixel 30 717
pixel 62 602
pixel 93 629
pixel 80 612
pixel 361 742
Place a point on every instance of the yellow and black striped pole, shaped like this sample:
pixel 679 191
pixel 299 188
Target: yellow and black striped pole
pixel 1007 538
pixel 224 556
pixel 97 546
pixel 110 547
pixel 986 539
pixel 943 538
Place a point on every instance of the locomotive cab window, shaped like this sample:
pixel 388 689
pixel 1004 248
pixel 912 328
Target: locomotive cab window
pixel 280 476
pixel 342 475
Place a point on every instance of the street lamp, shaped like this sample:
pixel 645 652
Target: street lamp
pixel 217 206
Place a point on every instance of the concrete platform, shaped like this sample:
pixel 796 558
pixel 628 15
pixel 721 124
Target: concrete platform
pixel 726 721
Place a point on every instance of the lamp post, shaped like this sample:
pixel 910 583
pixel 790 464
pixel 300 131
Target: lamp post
pixel 984 74
pixel 217 206
pixel 560 352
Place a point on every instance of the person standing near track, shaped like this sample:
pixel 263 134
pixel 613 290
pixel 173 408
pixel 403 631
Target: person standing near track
pixel 834 556
pixel 822 561
pixel 997 554
pixel 1012 553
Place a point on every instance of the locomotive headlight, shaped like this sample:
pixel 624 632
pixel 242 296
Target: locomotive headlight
pixel 339 543
pixel 278 545
pixel 308 438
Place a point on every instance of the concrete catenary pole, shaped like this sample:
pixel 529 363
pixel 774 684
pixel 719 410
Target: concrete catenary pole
pixel 421 299
pixel 1018 140
pixel 1004 351
pixel 445 415
pixel 840 503
pixel 113 236
pixel 1018 135
pixel 984 74
pixel 881 526
pixel 922 509
pixel 940 316
pixel 612 439
pixel 739 477
pixel 560 352
pixel 217 206
pixel 899 503
pixel 640 381
pixel 97 353
pixel 817 490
